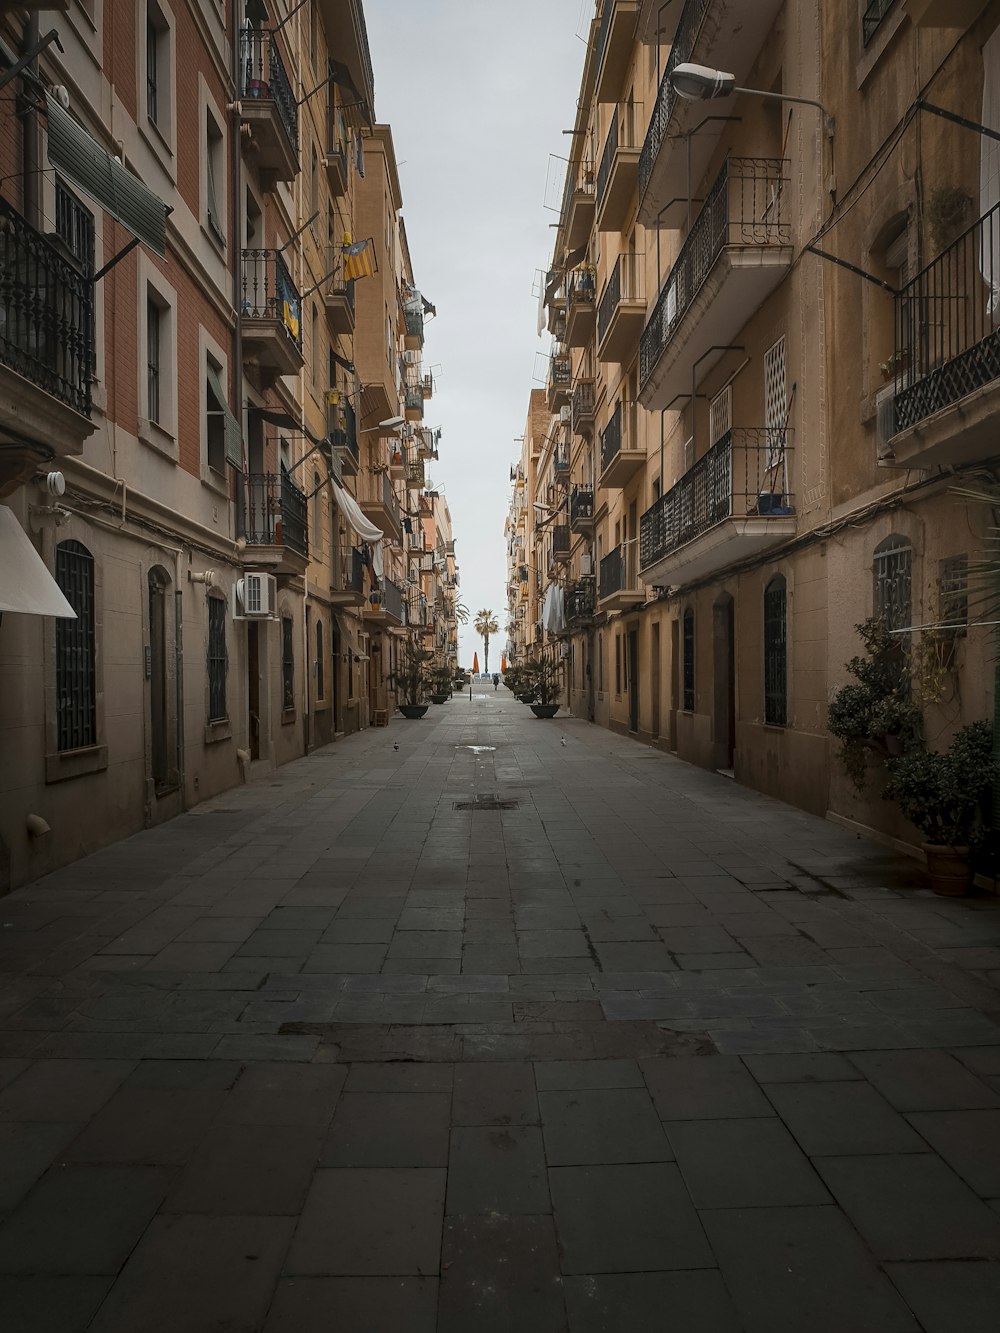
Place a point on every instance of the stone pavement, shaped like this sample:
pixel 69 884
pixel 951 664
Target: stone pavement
pixel 645 1051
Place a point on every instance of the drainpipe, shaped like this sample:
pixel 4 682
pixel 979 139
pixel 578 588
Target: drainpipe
pixel 32 208
pixel 236 251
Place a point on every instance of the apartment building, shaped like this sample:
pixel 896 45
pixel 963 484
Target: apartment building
pixel 764 440
pixel 195 591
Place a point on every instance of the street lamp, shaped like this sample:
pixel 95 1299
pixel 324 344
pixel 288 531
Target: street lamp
pixel 700 83
pixel 393 423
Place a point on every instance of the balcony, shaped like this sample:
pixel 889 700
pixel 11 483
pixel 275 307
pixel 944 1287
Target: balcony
pixel 385 605
pixel 351 579
pixel 947 355
pixel 723 34
pixel 583 407
pixel 580 603
pixel 620 459
pixel 413 402
pixel 416 476
pixel 46 348
pixel 622 310
pixel 271 519
pixel 337 169
pixel 559 382
pixel 560 543
pixel 342 429
pixel 615 38
pixel 270 314
pixel 581 509
pixel 560 463
pixel 619 584
pixel 618 175
pixel 341 312
pixel 380 504
pixel 268 106
pixel 736 253
pixel 413 326
pixel 578 206
pixel 581 312
pixel 733 504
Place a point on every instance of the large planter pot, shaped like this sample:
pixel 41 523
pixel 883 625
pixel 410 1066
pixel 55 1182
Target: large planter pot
pixel 440 698
pixel 949 869
pixel 413 711
pixel 526 698
pixel 545 710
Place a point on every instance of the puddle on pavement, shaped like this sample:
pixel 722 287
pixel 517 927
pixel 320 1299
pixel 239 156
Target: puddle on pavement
pixel 477 749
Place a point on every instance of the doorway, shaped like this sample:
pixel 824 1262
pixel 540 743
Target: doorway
pixel 675 667
pixel 724 653
pixel 633 679
pixel 253 686
pixel 157 675
pixel 655 683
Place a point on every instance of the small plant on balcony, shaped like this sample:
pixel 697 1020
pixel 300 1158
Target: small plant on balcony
pixel 946 212
pixel 891 367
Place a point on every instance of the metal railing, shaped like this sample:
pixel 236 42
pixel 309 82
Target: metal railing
pixel 262 76
pixel 580 601
pixel 560 539
pixel 343 428
pixel 46 313
pixel 873 17
pixel 560 460
pixel 353 565
pixel 625 284
pixel 745 207
pixel 583 402
pixel 392 599
pixel 560 371
pixel 269 293
pixel 580 288
pixel 688 27
pixel 273 512
pixel 608 157
pixel 414 397
pixel 618 572
pixel 612 436
pixel 581 504
pixel 947 340
pixel 414 320
pixel 743 475
pixel 390 500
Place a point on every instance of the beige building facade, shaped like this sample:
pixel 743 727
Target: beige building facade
pixel 746 420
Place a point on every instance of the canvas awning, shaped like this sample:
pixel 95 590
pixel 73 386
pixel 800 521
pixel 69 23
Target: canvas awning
pixel 26 586
pixel 81 159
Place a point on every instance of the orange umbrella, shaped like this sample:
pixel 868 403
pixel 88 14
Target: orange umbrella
pixel 475 664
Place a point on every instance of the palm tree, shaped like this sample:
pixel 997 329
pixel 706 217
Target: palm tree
pixel 486 624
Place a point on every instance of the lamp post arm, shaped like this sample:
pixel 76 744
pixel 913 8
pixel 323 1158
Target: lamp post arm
pixel 786 97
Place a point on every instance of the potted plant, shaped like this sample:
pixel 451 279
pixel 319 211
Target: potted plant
pixel 544 681
pixel 875 715
pixel 440 681
pixel 893 364
pixel 513 679
pixel 411 680
pixel 943 795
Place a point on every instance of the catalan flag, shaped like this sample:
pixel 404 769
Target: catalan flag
pixel 359 259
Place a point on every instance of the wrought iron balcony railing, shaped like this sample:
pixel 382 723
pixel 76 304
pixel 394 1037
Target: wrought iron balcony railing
pixel 618 572
pixel 583 402
pixel 560 539
pixel 353 565
pixel 392 599
pixel 873 18
pixel 46 313
pixel 948 325
pixel 269 293
pixel 560 371
pixel 262 75
pixel 560 461
pixel 343 426
pixel 608 156
pixel 390 499
pixel 580 601
pixel 580 288
pixel 611 437
pixel 414 397
pixel 688 27
pixel 581 504
pixel 274 512
pixel 743 475
pixel 625 284
pixel 745 207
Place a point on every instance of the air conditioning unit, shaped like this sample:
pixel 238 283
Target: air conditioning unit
pixel 586 566
pixel 885 423
pixel 566 416
pixel 411 358
pixel 255 597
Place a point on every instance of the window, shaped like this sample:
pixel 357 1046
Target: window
pixel 158 64
pixel 214 177
pixel 76 650
pixel 320 664
pixel 720 415
pixel 876 11
pixel 75 226
pixel 287 664
pixel 775 653
pixel 618 664
pixel 215 417
pixel 892 574
pixel 154 317
pixel 688 660
pixel 953 593
pixel 218 660
pixel 152 63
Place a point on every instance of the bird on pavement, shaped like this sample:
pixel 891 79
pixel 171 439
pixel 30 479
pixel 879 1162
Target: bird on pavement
pixel 395 745
pixel 562 740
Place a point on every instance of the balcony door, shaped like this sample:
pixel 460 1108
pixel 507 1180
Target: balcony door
pixel 654 684
pixel 724 653
pixel 633 679
pixel 156 673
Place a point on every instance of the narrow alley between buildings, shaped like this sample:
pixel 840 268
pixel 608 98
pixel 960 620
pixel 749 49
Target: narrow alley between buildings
pixel 352 1048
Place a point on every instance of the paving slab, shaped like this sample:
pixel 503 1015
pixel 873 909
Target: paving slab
pixel 641 1302
pixel 596 1125
pixel 497 1170
pixel 354 1305
pixel 841 1119
pixel 752 1163
pixel 499 1274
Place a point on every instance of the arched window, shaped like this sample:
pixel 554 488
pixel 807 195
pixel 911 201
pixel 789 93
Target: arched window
pixel 76 650
pixel 688 660
pixel 775 653
pixel 218 659
pixel 320 663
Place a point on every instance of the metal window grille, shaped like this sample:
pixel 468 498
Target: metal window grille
pixel 720 414
pixel 218 659
pixel 775 653
pixel 287 664
pixel 320 662
pixel 76 695
pixel 873 18
pixel 153 317
pixel 152 54
pixel 775 395
pixel 892 573
pixel 688 661
pixel 953 593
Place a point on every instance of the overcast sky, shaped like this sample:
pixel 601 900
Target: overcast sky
pixel 478 94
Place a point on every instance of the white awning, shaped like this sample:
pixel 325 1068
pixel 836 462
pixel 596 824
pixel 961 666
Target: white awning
pixel 26 586
pixel 368 532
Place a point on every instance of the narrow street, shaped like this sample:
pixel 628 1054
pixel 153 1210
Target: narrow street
pixel 642 1050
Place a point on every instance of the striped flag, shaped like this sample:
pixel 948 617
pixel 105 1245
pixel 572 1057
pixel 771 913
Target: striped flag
pixel 359 259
